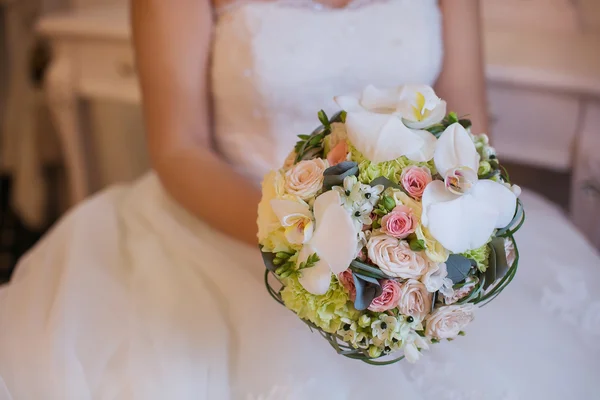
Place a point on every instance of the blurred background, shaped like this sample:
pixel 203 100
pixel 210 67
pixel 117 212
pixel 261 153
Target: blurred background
pixel 70 120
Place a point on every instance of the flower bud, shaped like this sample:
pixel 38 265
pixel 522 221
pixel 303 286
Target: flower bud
pixel 364 321
pixel 484 168
pixel 374 352
pixel 389 203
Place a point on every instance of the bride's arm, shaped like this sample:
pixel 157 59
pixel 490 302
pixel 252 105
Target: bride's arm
pixel 172 41
pixel 462 81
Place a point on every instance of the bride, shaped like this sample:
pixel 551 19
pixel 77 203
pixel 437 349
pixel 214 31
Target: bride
pixel 154 291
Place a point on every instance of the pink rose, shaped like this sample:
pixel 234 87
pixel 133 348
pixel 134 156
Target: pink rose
pixel 399 223
pixel 414 300
pixel 338 153
pixel 388 298
pixel 415 179
pixel 305 179
pixel 347 281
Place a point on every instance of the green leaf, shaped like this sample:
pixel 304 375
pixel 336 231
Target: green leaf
pixel 310 262
pixel 417 245
pixel 466 123
pixel 360 267
pixel 382 180
pixel 452 118
pixel 498 263
pixel 315 140
pixel 324 120
pixel 367 289
pixel 436 129
pixel 376 224
pixel 517 221
pixel 334 176
pixel 458 267
pixel 339 117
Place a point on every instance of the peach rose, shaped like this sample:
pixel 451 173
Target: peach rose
pixel 447 322
pixel 511 253
pixel 347 281
pixel 395 258
pixel 305 179
pixel 399 223
pixel 462 292
pixel 414 300
pixel 414 180
pixel 338 153
pixel 388 298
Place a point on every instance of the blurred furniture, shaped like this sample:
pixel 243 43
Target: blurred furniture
pixel 93 59
pixel 543 68
pixel 543 72
pixel 24 148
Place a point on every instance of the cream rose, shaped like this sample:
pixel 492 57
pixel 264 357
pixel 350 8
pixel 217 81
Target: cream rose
pixel 272 188
pixel 305 179
pixel 395 258
pixel 447 322
pixel 414 300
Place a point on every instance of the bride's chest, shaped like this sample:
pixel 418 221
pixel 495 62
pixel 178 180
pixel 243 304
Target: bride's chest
pixel 279 48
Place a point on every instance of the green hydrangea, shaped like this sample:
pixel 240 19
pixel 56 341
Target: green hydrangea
pixel 391 170
pixel 276 242
pixel 325 311
pixel 480 256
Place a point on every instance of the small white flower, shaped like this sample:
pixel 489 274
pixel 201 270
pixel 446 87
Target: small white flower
pixel 361 215
pixel 385 327
pixel 372 193
pixel 363 239
pixel 412 346
pixel 350 193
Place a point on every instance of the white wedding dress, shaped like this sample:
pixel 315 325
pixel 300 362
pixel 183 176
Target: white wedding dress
pixel 130 297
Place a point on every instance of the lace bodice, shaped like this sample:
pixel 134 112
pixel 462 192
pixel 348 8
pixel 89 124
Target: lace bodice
pixel 315 5
pixel 276 64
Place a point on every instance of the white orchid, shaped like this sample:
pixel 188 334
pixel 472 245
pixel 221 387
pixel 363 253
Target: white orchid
pixel 296 218
pixel 334 240
pixel 385 124
pixel 462 212
pixel 420 107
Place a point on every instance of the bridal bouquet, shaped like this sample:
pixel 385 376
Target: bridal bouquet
pixel 388 225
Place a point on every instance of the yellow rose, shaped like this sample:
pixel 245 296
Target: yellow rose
pixel 402 198
pixel 433 249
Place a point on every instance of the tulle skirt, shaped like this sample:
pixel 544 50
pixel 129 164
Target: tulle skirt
pixel 130 297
